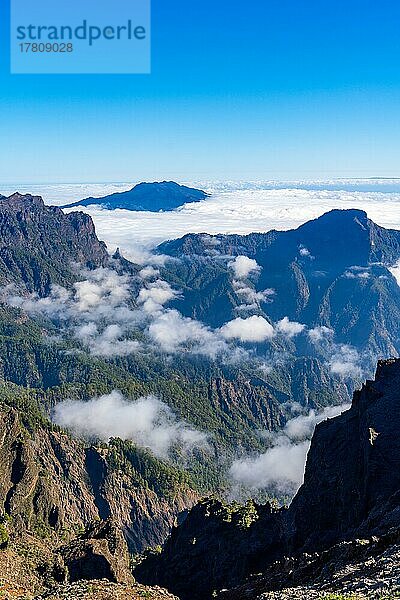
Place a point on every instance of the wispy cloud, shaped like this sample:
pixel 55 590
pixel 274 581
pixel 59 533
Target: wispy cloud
pixel 281 468
pixel 148 422
pixel 253 329
pixel 96 311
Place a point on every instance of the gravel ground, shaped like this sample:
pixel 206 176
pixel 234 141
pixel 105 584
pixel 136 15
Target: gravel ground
pixel 104 590
pixel 377 578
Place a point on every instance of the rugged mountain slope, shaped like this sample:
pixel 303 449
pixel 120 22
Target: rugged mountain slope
pixel 167 195
pixel 42 245
pixel 351 489
pixel 64 505
pixel 52 483
pixel 39 244
pixel 352 479
pixel 332 271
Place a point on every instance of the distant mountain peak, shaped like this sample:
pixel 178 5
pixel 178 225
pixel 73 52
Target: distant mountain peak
pixel 339 217
pixel 153 197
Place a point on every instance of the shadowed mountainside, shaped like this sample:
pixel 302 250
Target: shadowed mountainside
pixel 351 489
pixel 332 272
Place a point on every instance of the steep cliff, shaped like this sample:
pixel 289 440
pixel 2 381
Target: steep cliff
pixel 351 489
pixel 56 485
pixel 39 244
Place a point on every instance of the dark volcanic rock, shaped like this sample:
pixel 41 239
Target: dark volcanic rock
pixel 351 488
pixel 101 553
pixel 39 244
pixel 154 197
pixel 353 467
pixel 215 547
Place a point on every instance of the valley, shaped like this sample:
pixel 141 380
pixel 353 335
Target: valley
pixel 140 399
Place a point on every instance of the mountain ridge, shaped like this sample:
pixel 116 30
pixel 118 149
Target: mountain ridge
pixel 165 196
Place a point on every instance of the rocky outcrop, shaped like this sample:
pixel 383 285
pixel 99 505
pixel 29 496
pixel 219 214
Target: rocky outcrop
pixel 103 590
pixel 39 244
pixel 68 512
pixel 100 553
pixel 352 479
pixel 361 568
pixel 216 547
pixel 351 489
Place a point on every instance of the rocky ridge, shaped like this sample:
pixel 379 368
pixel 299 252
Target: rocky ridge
pixel 351 491
pixel 39 244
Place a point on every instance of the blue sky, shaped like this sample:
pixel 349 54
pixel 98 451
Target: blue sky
pixel 253 90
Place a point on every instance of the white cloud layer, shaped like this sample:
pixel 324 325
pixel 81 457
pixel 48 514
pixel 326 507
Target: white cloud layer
pixel 252 329
pixel 345 362
pixel 148 422
pixel 173 332
pixel 233 208
pixel 395 271
pixel 289 328
pixel 281 468
pixel 96 311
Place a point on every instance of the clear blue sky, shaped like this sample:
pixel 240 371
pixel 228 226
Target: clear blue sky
pixel 238 90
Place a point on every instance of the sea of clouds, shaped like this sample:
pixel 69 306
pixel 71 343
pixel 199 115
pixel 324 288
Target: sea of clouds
pixel 233 207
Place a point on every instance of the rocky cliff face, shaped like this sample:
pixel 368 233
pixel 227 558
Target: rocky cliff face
pixel 39 244
pixel 352 478
pixel 351 489
pixel 54 484
pixel 64 509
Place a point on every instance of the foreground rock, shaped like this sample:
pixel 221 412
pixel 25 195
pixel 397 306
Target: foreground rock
pixel 351 490
pixel 101 553
pixel 103 590
pixel 368 568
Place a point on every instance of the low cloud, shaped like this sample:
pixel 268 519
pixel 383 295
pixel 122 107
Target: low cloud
pixel 345 362
pixel 252 329
pixel 342 360
pixel 289 328
pixel 250 298
pixel 108 342
pixel 357 272
pixel 172 333
pixel 96 311
pixel 395 271
pixel 281 468
pixel 320 333
pixel 155 295
pixel 243 266
pixel 305 253
pixel 149 272
pixel 147 422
